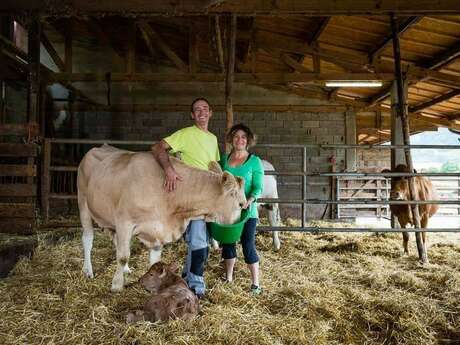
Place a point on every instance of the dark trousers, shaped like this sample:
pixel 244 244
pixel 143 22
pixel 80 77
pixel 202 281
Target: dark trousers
pixel 248 242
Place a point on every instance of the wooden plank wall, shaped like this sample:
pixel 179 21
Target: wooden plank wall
pixel 18 188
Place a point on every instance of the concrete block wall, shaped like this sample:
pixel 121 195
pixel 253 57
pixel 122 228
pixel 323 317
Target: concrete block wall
pixel 374 160
pixel 271 128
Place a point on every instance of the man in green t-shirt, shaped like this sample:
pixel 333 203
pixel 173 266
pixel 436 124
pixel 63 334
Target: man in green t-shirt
pixel 198 147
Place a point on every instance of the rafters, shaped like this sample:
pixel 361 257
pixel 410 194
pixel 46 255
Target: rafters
pixel 162 45
pixel 444 58
pixel 434 64
pixel 276 77
pixel 321 27
pixel 291 62
pixel 240 7
pixel 435 101
pixel 52 52
pixel 404 26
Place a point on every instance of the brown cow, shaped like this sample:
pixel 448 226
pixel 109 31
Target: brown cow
pixel 172 300
pixel 123 192
pixel 424 190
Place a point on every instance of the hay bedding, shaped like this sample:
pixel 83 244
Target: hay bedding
pixel 319 289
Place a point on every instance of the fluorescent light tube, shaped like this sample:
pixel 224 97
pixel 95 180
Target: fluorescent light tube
pixel 351 83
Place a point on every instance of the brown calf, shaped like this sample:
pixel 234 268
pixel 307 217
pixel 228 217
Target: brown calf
pixel 172 300
pixel 424 190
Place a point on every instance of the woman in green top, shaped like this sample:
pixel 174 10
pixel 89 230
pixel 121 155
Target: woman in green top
pixel 248 166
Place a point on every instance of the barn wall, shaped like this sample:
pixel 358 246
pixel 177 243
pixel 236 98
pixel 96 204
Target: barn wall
pixel 373 160
pixel 271 128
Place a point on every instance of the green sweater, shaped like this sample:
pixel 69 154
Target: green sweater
pixel 252 172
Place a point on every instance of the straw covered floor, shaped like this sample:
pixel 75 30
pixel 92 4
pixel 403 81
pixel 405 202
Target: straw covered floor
pixel 318 289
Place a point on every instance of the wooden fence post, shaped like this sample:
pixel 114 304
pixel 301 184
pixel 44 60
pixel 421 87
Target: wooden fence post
pixel 46 179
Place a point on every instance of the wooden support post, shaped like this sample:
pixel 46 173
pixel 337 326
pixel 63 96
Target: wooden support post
pixel 220 50
pixel 2 101
pixel 230 75
pixel 403 113
pixel 46 179
pixel 350 139
pixel 131 54
pixel 68 48
pixel 397 138
pixel 33 104
pixel 193 52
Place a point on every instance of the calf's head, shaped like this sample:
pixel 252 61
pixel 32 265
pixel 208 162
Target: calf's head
pixel 400 189
pixel 159 276
pixel 231 199
pixel 399 184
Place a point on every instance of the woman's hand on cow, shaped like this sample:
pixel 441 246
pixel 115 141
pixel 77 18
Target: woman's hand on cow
pixel 171 178
pixel 248 202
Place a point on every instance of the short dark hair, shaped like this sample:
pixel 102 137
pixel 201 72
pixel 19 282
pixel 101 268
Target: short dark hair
pixel 197 100
pixel 241 127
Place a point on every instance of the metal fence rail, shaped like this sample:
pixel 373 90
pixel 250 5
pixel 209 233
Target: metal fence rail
pixel 48 169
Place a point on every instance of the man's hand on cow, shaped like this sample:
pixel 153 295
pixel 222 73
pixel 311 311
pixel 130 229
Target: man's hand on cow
pixel 171 178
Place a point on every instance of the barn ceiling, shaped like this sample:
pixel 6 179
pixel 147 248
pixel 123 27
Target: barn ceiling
pixel 277 47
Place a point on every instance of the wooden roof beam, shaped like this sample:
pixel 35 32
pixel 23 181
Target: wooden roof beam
pixel 148 43
pixel 404 26
pixel 162 45
pixel 52 52
pixel 439 121
pixel 444 58
pixel 276 77
pixel 240 7
pixel 321 27
pixel 434 101
pixel 353 63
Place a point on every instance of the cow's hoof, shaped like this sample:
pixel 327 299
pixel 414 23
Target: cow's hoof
pixel 130 318
pixel 117 285
pixel 425 262
pixel 276 246
pixel 126 269
pixel 88 273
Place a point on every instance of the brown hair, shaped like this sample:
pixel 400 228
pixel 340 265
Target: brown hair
pixel 241 127
pixel 199 99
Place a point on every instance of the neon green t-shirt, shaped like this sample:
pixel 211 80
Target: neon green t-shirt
pixel 197 147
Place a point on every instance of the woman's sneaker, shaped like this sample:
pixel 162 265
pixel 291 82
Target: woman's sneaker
pixel 256 290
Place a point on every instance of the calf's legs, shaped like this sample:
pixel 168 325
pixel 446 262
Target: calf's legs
pixel 405 242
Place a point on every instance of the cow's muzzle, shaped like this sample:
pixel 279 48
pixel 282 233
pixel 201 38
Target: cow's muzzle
pixel 396 196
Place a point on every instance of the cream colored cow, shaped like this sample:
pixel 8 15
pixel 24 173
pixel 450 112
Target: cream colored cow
pixel 123 192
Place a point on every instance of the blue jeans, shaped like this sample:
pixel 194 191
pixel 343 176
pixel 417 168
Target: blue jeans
pixel 196 237
pixel 248 242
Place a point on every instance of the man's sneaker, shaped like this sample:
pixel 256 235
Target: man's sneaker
pixel 256 290
pixel 197 294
